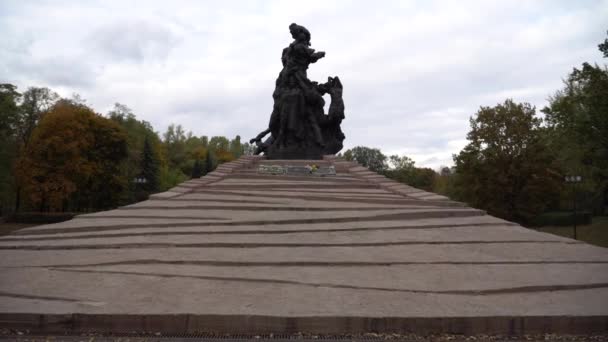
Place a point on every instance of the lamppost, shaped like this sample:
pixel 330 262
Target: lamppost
pixel 140 180
pixel 139 190
pixel 574 180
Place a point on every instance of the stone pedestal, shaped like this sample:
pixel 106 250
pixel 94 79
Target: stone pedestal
pixel 293 152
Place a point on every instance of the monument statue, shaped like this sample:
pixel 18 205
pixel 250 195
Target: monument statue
pixel 299 127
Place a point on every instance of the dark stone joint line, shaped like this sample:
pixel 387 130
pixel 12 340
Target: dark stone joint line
pixel 522 289
pixel 151 217
pixel 271 245
pixel 32 233
pixel 385 217
pixel 248 232
pixel 152 199
pixel 25 296
pixel 220 263
pixel 269 208
pixel 356 198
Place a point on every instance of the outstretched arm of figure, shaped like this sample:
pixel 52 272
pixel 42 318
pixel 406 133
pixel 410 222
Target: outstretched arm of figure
pixel 260 136
pixel 336 108
pixel 315 56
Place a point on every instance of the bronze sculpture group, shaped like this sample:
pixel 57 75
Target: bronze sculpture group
pixel 299 127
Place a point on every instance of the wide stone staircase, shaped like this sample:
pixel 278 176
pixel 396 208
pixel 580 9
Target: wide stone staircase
pixel 242 250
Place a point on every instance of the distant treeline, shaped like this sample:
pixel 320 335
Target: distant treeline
pixel 516 161
pixel 58 154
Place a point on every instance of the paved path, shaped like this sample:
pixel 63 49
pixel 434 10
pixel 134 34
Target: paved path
pixel 241 251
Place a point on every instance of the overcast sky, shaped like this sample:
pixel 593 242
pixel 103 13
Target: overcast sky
pixel 413 72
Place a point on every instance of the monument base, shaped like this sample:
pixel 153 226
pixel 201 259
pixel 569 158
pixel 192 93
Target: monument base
pixel 294 152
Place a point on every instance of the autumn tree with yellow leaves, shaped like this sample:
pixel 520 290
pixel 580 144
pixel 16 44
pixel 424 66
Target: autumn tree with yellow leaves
pixel 72 160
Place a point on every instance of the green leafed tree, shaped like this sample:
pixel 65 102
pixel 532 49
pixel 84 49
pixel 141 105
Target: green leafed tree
pixel 9 109
pixel 208 162
pixel 506 168
pixel 197 170
pixel 9 114
pixel 400 162
pixel 604 47
pixel 138 131
pixel 371 158
pixel 577 129
pixel 236 148
pixel 35 103
pixel 175 143
pixel 219 143
pixel 402 169
pixel 149 168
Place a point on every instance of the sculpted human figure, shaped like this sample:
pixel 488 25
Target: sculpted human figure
pixel 298 55
pixel 298 127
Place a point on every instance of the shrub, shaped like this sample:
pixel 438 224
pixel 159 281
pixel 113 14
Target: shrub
pixel 40 217
pixel 561 218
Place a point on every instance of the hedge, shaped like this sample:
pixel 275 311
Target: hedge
pixel 39 217
pixel 561 218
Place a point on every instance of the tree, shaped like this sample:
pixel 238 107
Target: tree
pixel 506 168
pixel 35 102
pixel 220 148
pixel 236 148
pixel 149 168
pixel 445 171
pixel 603 47
pixel 108 150
pixel 184 149
pixel 421 178
pixel 208 162
pixel 371 158
pixel 219 143
pixel 401 163
pixel 444 182
pixel 175 144
pixel 122 113
pixel 9 114
pixel 138 132
pixel 223 156
pixel 197 170
pixel 403 170
pixel 9 110
pixel 577 128
pixel 73 156
pixel 248 149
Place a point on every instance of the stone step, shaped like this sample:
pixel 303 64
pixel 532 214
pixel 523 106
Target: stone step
pixel 264 253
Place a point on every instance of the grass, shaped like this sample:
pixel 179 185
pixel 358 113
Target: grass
pixel 595 233
pixel 7 228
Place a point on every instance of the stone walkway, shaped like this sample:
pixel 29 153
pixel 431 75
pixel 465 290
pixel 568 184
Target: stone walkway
pixel 240 251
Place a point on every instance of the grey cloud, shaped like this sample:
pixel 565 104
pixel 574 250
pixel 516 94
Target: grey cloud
pixel 413 72
pixel 133 41
pixel 62 72
pixel 21 65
